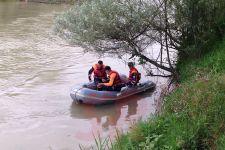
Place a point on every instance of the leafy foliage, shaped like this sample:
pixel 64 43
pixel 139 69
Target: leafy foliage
pixel 201 22
pixel 117 27
pixel 97 22
pixel 129 27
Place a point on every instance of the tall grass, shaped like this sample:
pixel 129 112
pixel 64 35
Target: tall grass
pixel 106 143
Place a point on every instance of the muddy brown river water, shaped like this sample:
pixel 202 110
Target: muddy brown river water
pixel 37 70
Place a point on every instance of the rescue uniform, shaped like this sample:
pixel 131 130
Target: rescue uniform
pixel 114 84
pixel 99 73
pixel 134 77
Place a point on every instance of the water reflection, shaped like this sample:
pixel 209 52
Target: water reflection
pixel 105 115
pixel 106 118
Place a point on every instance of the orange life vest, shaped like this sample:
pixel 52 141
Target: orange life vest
pixel 133 70
pixel 117 79
pixel 99 72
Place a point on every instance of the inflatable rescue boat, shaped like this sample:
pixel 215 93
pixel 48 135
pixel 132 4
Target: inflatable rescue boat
pixel 86 94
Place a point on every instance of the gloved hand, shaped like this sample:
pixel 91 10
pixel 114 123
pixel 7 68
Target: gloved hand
pixel 89 78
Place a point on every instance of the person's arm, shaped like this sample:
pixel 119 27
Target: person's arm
pixel 90 72
pixel 111 80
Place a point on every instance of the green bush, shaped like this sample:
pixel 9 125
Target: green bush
pixel 202 23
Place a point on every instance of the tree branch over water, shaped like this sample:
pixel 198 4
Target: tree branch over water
pixel 122 27
pixel 118 27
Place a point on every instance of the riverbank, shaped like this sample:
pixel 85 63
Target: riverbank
pixel 193 115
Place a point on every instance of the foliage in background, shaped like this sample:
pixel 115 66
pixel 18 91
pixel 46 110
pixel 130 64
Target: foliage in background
pixel 202 22
pixel 129 27
pixel 119 27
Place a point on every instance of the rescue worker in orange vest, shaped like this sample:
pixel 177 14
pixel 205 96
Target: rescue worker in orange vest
pixel 99 73
pixel 114 84
pixel 134 75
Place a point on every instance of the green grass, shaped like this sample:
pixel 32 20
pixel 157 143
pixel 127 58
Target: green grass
pixel 210 64
pixel 193 115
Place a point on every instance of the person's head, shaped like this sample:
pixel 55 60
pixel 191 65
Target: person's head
pixel 130 64
pixel 107 69
pixel 100 64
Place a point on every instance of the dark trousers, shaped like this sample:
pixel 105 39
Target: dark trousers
pixel 112 88
pixel 97 81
